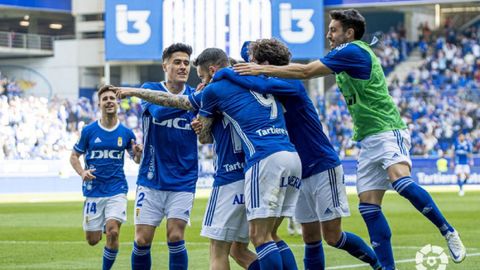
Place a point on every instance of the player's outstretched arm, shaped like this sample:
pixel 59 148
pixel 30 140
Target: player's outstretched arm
pixel 294 71
pixel 155 97
pixel 260 84
pixel 86 175
pixel 203 127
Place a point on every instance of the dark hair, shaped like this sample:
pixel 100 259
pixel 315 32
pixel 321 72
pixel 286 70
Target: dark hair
pixel 103 89
pixel 271 50
pixel 176 47
pixel 350 18
pixel 232 61
pixel 212 57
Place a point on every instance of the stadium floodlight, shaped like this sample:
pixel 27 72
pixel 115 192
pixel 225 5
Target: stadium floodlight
pixel 24 23
pixel 56 26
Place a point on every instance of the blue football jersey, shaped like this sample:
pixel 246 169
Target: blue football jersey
pixel 169 160
pixel 229 159
pixel 349 58
pixel 104 151
pixel 258 119
pixel 304 128
pixel 462 150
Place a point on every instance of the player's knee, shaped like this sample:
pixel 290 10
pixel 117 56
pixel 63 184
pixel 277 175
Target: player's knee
pixel 112 235
pixel 237 252
pixel 93 239
pixel 311 235
pixel 175 237
pixel 257 238
pixel 331 238
pixel 142 241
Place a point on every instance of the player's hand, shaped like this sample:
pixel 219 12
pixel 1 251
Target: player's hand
pixel 197 126
pixel 452 165
pixel 200 87
pixel 137 149
pixel 123 92
pixel 87 175
pixel 248 69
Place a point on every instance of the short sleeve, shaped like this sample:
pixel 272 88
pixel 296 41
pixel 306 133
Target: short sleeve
pixel 349 58
pixel 196 100
pixel 209 102
pixel 82 143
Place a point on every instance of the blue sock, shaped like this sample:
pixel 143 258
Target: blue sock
pixel 255 265
pixel 269 256
pixel 141 259
pixel 379 232
pixel 288 260
pixel 314 257
pixel 422 201
pixel 356 247
pixel 178 255
pixel 109 256
pixel 460 183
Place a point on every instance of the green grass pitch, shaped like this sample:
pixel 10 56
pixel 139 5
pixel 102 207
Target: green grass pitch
pixel 49 236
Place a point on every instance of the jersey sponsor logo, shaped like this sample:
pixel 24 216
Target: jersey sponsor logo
pixel 138 20
pixel 292 181
pixel 238 199
pixel 120 141
pixel 97 140
pixel 177 123
pixel 234 167
pixel 271 130
pixel 101 154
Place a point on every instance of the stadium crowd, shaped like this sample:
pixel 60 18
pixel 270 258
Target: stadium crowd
pixel 438 101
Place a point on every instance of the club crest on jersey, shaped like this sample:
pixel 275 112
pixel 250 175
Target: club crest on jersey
pixel 120 142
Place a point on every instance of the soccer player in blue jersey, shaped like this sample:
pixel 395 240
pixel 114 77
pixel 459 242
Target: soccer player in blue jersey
pixel 323 200
pixel 461 161
pixel 273 168
pixel 169 168
pixel 384 160
pixel 103 143
pixel 225 221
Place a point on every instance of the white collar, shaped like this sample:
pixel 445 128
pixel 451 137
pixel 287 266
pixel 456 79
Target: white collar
pixel 164 86
pixel 109 129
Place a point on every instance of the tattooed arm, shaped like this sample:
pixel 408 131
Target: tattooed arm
pixel 204 130
pixel 155 97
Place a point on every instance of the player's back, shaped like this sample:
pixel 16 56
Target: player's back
pixel 258 119
pixel 229 158
pixel 305 130
pixel 306 133
pixel 170 160
pixel 104 151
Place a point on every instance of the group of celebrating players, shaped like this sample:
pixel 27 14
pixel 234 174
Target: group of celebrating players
pixel 272 158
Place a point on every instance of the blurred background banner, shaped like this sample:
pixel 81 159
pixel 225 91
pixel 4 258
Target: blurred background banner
pixel 139 30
